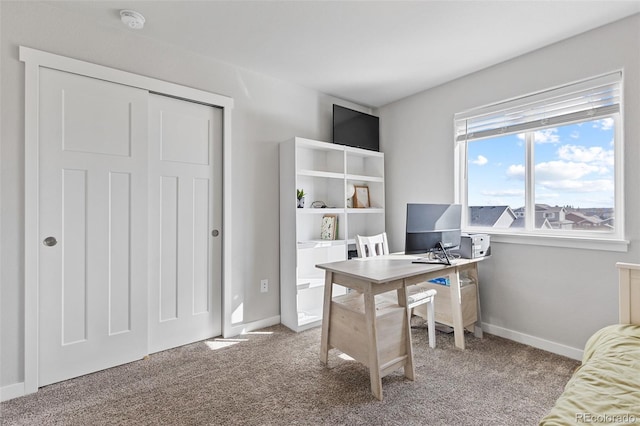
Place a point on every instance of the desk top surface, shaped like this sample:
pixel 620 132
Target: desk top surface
pixel 382 269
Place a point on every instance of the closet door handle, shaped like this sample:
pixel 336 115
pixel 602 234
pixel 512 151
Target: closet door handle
pixel 50 241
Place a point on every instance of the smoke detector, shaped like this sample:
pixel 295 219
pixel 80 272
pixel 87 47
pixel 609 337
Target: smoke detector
pixel 132 19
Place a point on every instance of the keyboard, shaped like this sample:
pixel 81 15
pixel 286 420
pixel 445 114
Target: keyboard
pixel 430 261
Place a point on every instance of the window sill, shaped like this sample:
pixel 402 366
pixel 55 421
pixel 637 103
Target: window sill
pixel 586 243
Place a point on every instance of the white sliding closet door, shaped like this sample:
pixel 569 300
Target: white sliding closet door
pixel 92 225
pixel 185 202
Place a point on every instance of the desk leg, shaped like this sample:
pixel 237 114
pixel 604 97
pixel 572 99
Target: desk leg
pixel 326 316
pixel 477 331
pixel 409 371
pixel 456 309
pixel 372 340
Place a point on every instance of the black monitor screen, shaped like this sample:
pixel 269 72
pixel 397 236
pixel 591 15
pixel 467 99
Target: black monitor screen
pixel 431 224
pixel 354 128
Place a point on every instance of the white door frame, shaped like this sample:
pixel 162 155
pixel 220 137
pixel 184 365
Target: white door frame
pixel 34 60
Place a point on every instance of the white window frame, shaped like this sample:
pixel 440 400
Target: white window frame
pixel 585 239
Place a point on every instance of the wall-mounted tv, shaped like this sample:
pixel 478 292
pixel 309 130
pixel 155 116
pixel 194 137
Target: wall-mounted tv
pixel 355 128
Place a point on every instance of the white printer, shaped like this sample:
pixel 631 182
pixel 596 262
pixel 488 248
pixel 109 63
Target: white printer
pixel 473 246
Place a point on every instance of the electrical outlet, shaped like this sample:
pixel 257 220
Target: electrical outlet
pixel 264 286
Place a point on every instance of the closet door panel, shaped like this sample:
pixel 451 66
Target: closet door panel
pixel 185 202
pixel 92 214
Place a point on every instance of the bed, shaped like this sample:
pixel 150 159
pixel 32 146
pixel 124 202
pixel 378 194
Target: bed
pixel 605 389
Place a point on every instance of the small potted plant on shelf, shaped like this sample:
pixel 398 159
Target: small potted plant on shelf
pixel 300 194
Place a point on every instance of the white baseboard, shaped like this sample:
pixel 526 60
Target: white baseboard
pixel 11 391
pixel 236 329
pixel 536 342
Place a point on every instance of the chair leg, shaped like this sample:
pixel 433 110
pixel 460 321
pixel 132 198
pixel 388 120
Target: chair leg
pixel 431 323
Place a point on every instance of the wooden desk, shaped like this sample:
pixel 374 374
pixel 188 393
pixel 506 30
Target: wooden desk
pixel 379 336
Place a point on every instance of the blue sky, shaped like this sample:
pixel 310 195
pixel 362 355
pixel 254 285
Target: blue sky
pixel 574 165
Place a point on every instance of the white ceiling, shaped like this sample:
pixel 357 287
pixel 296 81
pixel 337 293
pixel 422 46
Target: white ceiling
pixel 368 52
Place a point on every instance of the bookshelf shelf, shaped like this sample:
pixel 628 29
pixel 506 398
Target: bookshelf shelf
pixel 324 171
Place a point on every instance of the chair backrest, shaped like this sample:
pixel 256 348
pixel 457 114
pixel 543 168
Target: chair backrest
pixel 375 245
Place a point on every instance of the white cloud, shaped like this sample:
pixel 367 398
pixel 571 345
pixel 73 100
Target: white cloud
pixel 599 185
pixel 604 124
pixel 515 171
pixel 557 171
pixel 569 176
pixel 544 136
pixel 547 197
pixel 505 193
pixel 594 154
pixel 560 170
pixel 480 161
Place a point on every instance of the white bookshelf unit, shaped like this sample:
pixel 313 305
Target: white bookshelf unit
pixel 324 171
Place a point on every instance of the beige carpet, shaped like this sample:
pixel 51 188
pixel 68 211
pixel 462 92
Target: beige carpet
pixel 274 377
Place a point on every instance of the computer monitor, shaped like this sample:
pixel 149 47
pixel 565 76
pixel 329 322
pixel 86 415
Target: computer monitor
pixel 432 227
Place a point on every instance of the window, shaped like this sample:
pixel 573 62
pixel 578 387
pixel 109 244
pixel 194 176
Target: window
pixel 548 164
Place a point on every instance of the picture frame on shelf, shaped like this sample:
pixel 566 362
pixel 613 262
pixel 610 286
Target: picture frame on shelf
pixel 361 197
pixel 329 229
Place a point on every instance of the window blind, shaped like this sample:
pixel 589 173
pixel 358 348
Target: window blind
pixel 589 99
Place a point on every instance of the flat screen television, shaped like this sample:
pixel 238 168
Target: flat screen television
pixel 432 227
pixel 355 128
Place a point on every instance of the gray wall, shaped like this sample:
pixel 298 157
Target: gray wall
pixel 550 297
pixel 267 111
pixel 561 295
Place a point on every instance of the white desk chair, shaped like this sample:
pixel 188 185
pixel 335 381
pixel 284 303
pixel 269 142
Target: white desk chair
pixel 376 245
pixel 416 296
